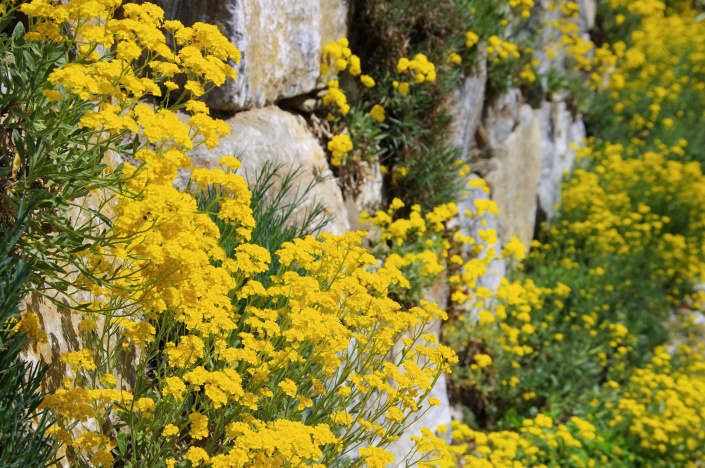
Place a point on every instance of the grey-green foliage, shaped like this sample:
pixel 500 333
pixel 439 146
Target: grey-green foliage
pixel 23 442
pixel 277 200
pixel 46 156
pixel 48 165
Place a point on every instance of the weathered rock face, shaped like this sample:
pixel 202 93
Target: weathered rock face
pixel 501 118
pixel 280 40
pixel 369 197
pixel 514 132
pixel 271 134
pixel 588 11
pixel 559 130
pixel 62 332
pixel 468 101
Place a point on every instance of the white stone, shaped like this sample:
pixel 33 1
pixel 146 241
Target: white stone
pixel 271 134
pixel 466 104
pixel 281 43
pixel 560 130
pixel 502 117
pixel 514 181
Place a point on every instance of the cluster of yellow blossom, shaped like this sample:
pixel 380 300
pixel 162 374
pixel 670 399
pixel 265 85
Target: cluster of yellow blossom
pixel 662 405
pixel 471 39
pixel 377 113
pixel 524 6
pixel 334 95
pixel 663 63
pixel 613 215
pixel 414 239
pixel 454 58
pixel 419 66
pixel 538 443
pixel 500 49
pixel 30 324
pixel 339 52
pixel 339 146
pixel 572 42
pixel 242 363
pixel 422 246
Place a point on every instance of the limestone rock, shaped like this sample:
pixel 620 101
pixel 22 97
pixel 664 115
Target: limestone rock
pixel 467 104
pixel 280 40
pixel 588 11
pixel 501 118
pixel 559 130
pixel 514 182
pixel 271 134
pixel 369 196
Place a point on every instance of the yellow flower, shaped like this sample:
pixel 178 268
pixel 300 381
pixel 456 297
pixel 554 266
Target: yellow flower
pixel 31 325
pixel 342 418
pixel 53 94
pixel 376 457
pixel 199 426
pixel 289 387
pixel 170 430
pixel 483 360
pixel 394 414
pixel 454 58
pixel 195 455
pixel 377 113
pixel 174 387
pixel 102 457
pixel 367 81
pixel 471 39
pixel 146 406
pixel 339 146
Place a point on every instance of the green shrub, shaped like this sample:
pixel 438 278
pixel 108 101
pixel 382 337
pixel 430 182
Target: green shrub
pixel 23 439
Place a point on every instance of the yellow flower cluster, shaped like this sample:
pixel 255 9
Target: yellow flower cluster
pixel 524 6
pixel 539 443
pixel 419 66
pixel 573 44
pixel 673 44
pixel 500 49
pixel 377 113
pixel 662 405
pixel 243 360
pixel 339 146
pixel 339 52
pixel 334 95
pixel 471 39
pixel 611 214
